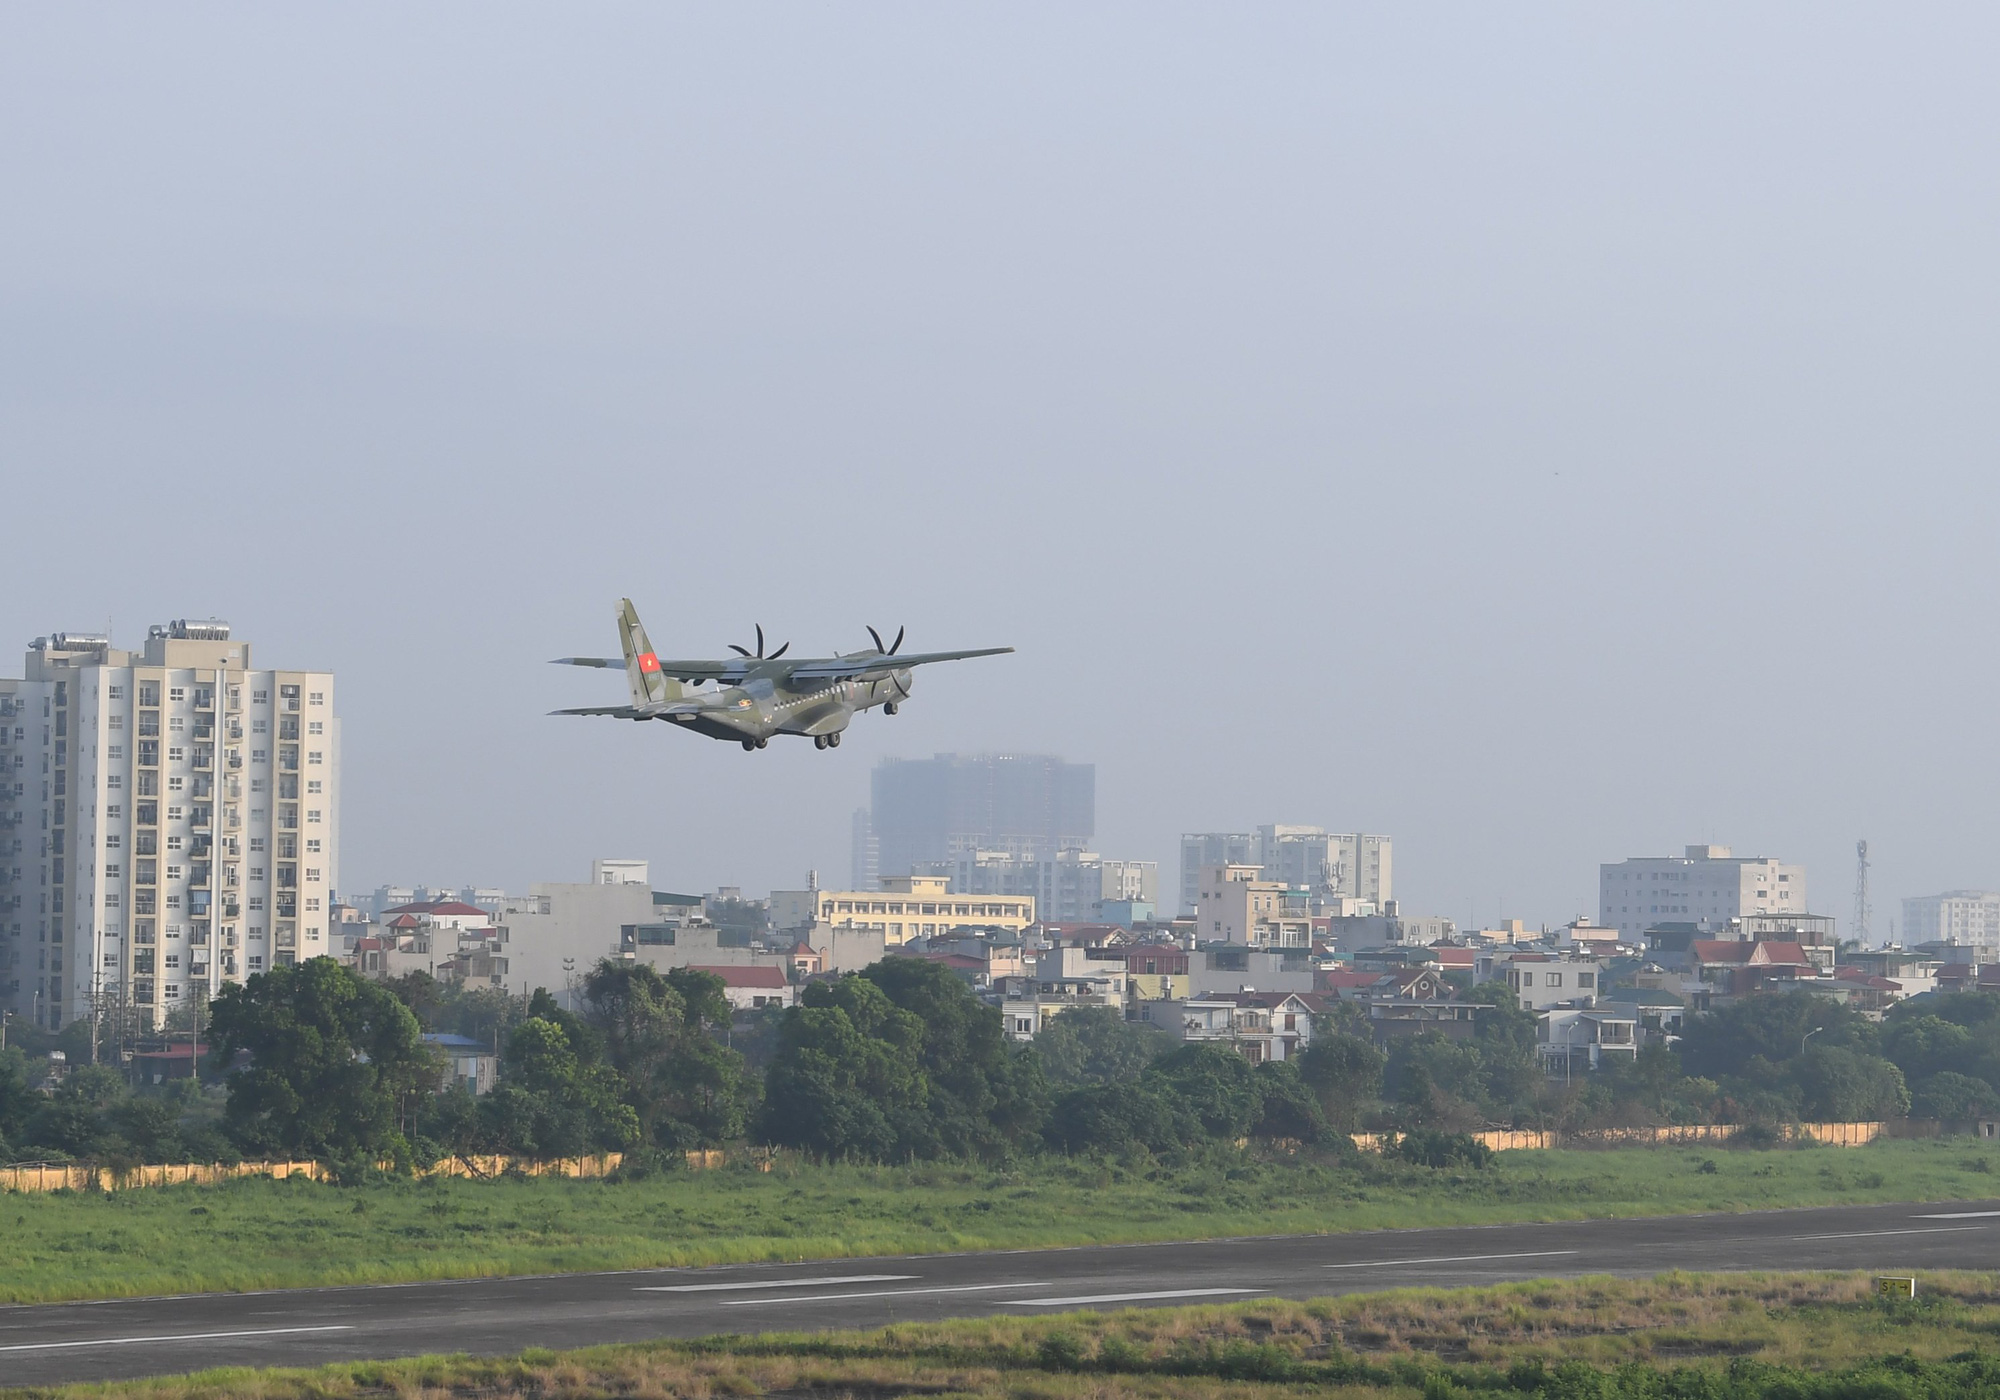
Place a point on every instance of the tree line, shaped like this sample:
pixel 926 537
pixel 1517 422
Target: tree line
pixel 903 1062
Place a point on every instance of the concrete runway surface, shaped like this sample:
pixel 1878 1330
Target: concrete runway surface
pixel 50 1343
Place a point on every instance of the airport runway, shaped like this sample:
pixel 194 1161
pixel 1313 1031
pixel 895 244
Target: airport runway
pixel 51 1343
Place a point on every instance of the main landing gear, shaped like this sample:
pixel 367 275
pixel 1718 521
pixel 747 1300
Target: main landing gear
pixel 890 708
pixel 826 741
pixel 749 744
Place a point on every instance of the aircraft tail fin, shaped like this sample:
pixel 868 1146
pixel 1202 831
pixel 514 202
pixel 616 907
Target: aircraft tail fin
pixel 642 664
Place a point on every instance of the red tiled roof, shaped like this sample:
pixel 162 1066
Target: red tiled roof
pixel 745 976
pixel 1719 950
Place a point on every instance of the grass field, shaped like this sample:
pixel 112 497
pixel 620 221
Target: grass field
pixel 264 1234
pixel 1676 1337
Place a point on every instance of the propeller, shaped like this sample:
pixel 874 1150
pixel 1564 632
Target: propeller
pixel 758 655
pixel 888 650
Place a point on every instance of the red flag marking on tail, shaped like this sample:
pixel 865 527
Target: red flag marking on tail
pixel 649 662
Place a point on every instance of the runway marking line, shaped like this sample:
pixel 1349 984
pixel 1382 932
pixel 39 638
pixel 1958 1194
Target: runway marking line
pixel 1127 1297
pixel 772 1283
pixel 881 1293
pixel 1452 1259
pixel 1959 1215
pixel 177 1337
pixel 1916 1230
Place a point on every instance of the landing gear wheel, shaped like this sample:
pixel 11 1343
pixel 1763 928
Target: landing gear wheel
pixel 890 708
pixel 762 742
pixel 749 744
pixel 833 740
pixel 819 741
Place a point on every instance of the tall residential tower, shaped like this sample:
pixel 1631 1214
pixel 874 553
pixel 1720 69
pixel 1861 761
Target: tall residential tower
pixel 169 822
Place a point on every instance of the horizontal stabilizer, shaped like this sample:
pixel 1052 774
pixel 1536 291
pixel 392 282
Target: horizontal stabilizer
pixel 621 711
pixel 612 662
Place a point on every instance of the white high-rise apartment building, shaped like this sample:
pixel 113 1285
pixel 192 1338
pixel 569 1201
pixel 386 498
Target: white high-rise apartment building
pixel 169 822
pixel 1332 865
pixel 1965 918
pixel 1707 886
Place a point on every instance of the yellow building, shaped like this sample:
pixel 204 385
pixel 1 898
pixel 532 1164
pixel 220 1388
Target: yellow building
pixel 922 906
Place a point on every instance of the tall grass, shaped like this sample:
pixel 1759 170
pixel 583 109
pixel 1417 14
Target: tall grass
pixel 267 1234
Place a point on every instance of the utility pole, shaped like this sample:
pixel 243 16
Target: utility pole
pixel 1861 910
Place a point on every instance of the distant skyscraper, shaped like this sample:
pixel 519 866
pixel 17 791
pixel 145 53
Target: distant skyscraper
pixel 1350 865
pixel 934 809
pixel 866 857
pixel 1963 918
pixel 1706 886
pixel 185 820
pixel 1200 849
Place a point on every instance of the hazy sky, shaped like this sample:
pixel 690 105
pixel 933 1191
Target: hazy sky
pixel 1545 434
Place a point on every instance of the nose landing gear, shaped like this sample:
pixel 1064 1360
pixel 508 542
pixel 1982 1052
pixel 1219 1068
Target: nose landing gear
pixel 890 708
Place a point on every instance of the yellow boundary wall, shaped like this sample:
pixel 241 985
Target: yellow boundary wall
pixel 1672 1135
pixel 98 1178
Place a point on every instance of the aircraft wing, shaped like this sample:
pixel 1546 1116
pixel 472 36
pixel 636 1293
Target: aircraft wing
pixel 732 670
pixel 877 664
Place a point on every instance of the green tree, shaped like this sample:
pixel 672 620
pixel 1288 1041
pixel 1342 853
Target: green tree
pixel 1096 1045
pixel 1117 1118
pixel 1773 1028
pixel 18 1099
pixel 1344 1073
pixel 1948 1094
pixel 336 1062
pixel 1437 1082
pixel 1844 1086
pixel 985 1094
pixel 75 1120
pixel 555 1099
pixel 687 1089
pixel 1288 1108
pixel 848 1077
pixel 1510 1075
pixel 1217 1086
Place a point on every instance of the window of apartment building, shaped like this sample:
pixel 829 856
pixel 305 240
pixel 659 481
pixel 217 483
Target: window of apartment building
pixel 312 846
pixel 110 872
pixel 175 753
pixel 177 693
pixel 176 784
pixel 312 815
pixel 318 697
pixel 314 756
pixel 256 843
pixel 111 814
pixel 316 727
pixel 174 814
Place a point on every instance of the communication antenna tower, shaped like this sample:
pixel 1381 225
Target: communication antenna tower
pixel 1861 910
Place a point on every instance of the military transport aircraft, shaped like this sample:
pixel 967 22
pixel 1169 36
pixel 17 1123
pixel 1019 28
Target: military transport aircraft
pixel 758 696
